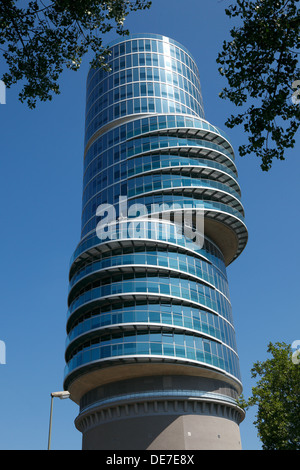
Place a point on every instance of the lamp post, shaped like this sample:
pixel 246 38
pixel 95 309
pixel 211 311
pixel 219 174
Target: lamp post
pixel 62 396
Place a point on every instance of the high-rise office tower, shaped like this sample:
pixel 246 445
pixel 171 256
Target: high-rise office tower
pixel 151 352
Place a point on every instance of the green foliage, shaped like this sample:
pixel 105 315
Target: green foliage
pixel 43 37
pixel 260 63
pixel 277 396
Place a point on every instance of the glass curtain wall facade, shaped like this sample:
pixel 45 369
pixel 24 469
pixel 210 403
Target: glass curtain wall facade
pixel 150 334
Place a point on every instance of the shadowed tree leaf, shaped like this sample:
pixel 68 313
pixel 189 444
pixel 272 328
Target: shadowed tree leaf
pixel 261 65
pixel 40 39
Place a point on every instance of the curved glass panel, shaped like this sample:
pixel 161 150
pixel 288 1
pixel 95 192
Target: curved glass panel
pixel 159 286
pixel 152 294
pixel 180 346
pixel 164 259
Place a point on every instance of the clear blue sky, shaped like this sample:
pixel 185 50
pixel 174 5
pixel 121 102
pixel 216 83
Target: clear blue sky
pixel 41 184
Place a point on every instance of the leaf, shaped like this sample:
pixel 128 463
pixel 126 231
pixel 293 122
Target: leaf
pixel 40 41
pixel 260 65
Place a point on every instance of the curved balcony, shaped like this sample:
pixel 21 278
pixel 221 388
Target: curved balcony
pixel 178 318
pixel 222 223
pixel 166 125
pixel 91 245
pixel 153 180
pixel 172 164
pixel 161 183
pixel 197 151
pixel 146 347
pixel 184 291
pixel 151 261
pixel 146 297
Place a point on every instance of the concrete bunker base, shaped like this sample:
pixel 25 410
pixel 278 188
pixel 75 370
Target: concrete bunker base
pixel 156 427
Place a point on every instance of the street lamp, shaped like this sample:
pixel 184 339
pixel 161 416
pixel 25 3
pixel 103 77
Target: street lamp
pixel 62 396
